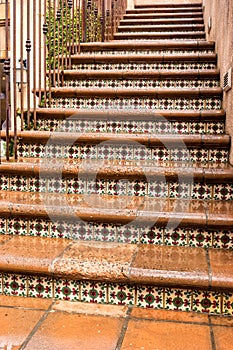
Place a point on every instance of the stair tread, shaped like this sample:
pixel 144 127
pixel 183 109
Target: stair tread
pixel 180 212
pixel 118 262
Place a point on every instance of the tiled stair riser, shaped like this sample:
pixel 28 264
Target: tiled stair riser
pixel 91 185
pixel 145 296
pixel 131 233
pixel 133 126
pixel 145 66
pixel 138 103
pixel 134 51
pixel 130 152
pixel 143 83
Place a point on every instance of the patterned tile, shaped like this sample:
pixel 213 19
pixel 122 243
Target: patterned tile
pixel 200 238
pixel 37 184
pixel 61 229
pixel 17 226
pixel 160 154
pixel 223 192
pixel 179 190
pixel 128 234
pixel 117 187
pixel 177 299
pixel 23 150
pixel 36 150
pixel 56 185
pixel 40 287
pixel 142 153
pixel 201 191
pixel 97 186
pixel 121 294
pixel 124 152
pixel 223 239
pixel 88 151
pixel 207 302
pixel 4 183
pixel 114 126
pixel 218 155
pixel 76 186
pixel 175 237
pixel 137 188
pixel 3 226
pixel 150 297
pixel 18 183
pixel 198 155
pixel 15 285
pixel 66 290
pixel 106 152
pixel 227 304
pixel 158 189
pixel 180 155
pixel 93 292
pixel 215 128
pixel 197 128
pixel 82 231
pixel 152 235
pixel 179 128
pixel 67 126
pixel 104 232
pixel 39 228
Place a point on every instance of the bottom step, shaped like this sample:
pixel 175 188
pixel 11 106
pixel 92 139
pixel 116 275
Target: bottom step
pixel 45 324
pixel 168 278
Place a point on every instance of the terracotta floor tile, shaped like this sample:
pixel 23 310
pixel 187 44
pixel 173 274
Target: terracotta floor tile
pixel 221 321
pixel 26 303
pixel 223 338
pixel 62 331
pixel 168 315
pixel 166 336
pixel 16 325
pixel 221 264
pixel 30 254
pixel 155 264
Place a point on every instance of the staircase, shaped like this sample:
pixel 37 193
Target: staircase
pixel 123 194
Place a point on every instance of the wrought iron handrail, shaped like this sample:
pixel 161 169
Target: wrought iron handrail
pixel 43 35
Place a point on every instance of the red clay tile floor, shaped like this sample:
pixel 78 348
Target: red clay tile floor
pixel 42 324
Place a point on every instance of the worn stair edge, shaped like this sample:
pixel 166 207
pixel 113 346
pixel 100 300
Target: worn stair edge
pixel 155 115
pixel 160 35
pixel 108 209
pixel 195 268
pixel 129 92
pixel 163 15
pixel 162 21
pixel 169 27
pixel 167 140
pixel 166 9
pixel 140 45
pixel 193 4
pixel 119 169
pixel 145 74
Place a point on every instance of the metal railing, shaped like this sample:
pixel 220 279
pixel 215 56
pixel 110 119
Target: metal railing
pixel 39 42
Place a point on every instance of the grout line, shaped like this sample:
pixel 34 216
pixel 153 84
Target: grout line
pixel 123 330
pixel 211 334
pixel 37 326
pixel 209 267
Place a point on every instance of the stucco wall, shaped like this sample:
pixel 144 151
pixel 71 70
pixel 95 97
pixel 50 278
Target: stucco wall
pixel 220 13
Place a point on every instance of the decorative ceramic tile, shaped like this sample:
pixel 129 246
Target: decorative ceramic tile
pixel 197 128
pixel 178 299
pixel 37 184
pixel 76 186
pixel 61 229
pixel 82 230
pixel 82 125
pixel 150 297
pixel 36 150
pixel 114 126
pixel 227 304
pixel 201 191
pixel 56 185
pixel 96 186
pixel 3 226
pixel 158 189
pixel 15 285
pixel 175 237
pixel 4 183
pixel 223 239
pixel 106 151
pixel 179 128
pixel 104 232
pixel 88 151
pixel 180 154
pixel 152 235
pixel 66 126
pixel 207 302
pixel 197 104
pixel 71 152
pixel 213 103
pixel 23 150
pixel 218 155
pixel 121 294
pixel 93 292
pixel 117 187
pixel 223 192
pixel 198 155
pixel 181 103
pixel 200 238
pixel 137 188
pixel 17 226
pixel 215 128
pixel 18 183
pixel 124 152
pixel 179 190
pixel 66 290
pixel 39 227
pixel 51 125
pixel 141 153
pixel 147 127
pixel 40 287
pixel 98 125
pixel 128 234
pixel 160 154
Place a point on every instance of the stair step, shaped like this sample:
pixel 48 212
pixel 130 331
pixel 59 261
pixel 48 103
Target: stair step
pixel 169 5
pixel 173 21
pixel 162 35
pixel 114 273
pixel 161 15
pixel 161 28
pixel 119 177
pixel 164 9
